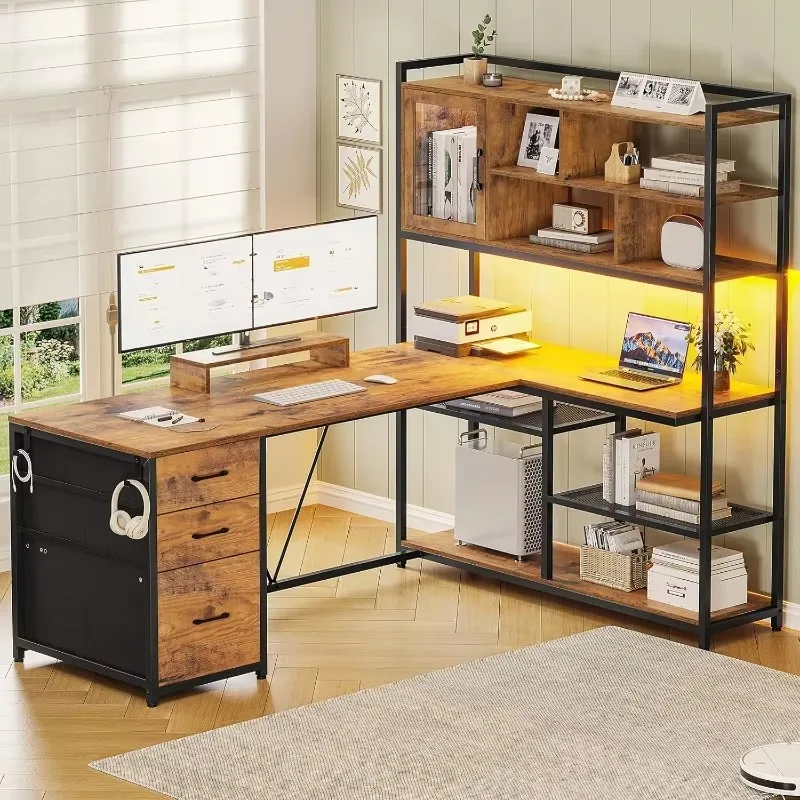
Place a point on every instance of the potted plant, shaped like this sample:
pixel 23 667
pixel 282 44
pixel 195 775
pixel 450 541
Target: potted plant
pixel 475 65
pixel 731 342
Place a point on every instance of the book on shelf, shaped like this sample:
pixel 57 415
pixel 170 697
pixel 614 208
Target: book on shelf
pixel 687 552
pixel 687 162
pixel 635 457
pixel 680 516
pixel 601 237
pixel 576 247
pixel 687 189
pixel 444 202
pixel 609 462
pixel 676 485
pixel 467 151
pixel 671 176
pixel 504 403
pixel 718 502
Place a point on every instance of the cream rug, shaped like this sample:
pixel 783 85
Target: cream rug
pixel 607 714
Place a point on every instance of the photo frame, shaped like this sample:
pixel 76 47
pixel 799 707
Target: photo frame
pixel 548 161
pixel 540 131
pixel 659 93
pixel 359 109
pixel 359 177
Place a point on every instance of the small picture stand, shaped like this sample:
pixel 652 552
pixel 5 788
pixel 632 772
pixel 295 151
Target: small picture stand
pixel 192 371
pixel 616 171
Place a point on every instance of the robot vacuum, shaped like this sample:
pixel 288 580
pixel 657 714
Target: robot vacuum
pixel 773 768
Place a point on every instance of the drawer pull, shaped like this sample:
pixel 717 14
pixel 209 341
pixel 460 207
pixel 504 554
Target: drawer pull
pixel 221 474
pixel 212 533
pixel 222 616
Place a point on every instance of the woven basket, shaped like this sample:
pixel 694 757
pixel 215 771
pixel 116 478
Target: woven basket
pixel 619 571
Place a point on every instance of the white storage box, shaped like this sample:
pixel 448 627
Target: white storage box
pixel 682 589
pixel 498 495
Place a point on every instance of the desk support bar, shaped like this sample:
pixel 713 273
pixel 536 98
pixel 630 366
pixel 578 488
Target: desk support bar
pixel 273 579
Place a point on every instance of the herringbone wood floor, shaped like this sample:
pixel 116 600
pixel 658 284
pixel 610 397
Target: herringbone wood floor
pixel 326 640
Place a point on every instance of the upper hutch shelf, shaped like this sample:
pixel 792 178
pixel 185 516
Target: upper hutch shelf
pixel 534 93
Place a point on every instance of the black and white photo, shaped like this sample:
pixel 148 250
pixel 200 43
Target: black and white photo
pixel 540 132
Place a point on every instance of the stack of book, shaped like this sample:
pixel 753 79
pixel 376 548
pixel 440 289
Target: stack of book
pixel 452 174
pixel 674 578
pixel 598 242
pixel 678 497
pixel 505 403
pixel 628 457
pixel 684 174
pixel 615 537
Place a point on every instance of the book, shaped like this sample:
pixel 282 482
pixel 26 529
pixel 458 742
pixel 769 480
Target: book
pixel 687 162
pixel 159 416
pixel 635 458
pixel 505 403
pixel 467 147
pixel 609 462
pixel 577 247
pixel 443 176
pixel 674 485
pixel 680 516
pixel 429 184
pixel 588 238
pixel 688 189
pixel 687 552
pixel 671 176
pixel 718 502
pixel 464 307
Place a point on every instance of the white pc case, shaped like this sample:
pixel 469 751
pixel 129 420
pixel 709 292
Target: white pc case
pixel 498 495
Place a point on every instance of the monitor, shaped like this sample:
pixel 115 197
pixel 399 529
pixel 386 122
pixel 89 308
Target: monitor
pixel 656 345
pixel 316 271
pixel 185 292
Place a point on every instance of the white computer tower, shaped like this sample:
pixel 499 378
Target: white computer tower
pixel 498 495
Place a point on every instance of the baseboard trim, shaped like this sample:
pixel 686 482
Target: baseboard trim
pixel 5 562
pixel 791 616
pixel 287 498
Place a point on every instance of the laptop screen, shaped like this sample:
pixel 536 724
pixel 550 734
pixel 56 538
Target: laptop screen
pixel 656 345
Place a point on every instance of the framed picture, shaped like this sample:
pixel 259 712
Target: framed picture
pixel 360 182
pixel 540 132
pixel 360 107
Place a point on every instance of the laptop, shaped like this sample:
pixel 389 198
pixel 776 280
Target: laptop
pixel 653 355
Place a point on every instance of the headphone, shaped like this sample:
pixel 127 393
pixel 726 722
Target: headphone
pixel 121 522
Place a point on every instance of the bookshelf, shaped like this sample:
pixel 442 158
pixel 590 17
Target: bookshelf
pixel 515 201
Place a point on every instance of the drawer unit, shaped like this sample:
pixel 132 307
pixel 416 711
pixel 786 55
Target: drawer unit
pixel 207 533
pixel 201 477
pixel 208 618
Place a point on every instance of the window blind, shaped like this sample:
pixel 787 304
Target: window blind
pixel 123 125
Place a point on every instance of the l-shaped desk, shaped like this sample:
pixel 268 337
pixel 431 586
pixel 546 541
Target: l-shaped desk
pixel 187 604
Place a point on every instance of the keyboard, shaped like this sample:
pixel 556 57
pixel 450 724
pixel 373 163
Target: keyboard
pixel 635 377
pixel 308 393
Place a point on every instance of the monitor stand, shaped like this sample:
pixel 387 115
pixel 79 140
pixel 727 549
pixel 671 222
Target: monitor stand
pixel 246 343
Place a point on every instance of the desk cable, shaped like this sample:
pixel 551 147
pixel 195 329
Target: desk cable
pixel 15 476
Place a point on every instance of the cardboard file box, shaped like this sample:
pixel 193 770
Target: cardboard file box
pixel 498 495
pixel 676 588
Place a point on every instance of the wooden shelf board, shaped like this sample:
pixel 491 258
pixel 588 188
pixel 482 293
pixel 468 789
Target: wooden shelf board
pixel 534 94
pixel 566 576
pixel 597 183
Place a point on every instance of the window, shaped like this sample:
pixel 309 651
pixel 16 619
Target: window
pixel 40 359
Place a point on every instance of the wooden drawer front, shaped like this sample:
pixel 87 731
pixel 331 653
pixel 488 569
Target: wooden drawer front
pixel 207 476
pixel 208 533
pixel 208 618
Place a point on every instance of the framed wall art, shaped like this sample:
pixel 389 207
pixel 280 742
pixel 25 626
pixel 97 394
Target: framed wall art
pixel 360 178
pixel 360 107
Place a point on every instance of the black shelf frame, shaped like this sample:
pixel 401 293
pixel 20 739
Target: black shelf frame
pixel 545 424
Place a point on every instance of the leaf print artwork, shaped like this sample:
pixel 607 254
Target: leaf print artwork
pixel 359 172
pixel 357 106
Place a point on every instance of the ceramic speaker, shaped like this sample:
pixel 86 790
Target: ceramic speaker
pixel 682 242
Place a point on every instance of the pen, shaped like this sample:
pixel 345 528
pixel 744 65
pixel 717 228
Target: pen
pixel 177 419
pixel 165 419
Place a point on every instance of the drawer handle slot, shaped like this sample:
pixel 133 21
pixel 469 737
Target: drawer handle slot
pixel 221 474
pixel 222 616
pixel 211 533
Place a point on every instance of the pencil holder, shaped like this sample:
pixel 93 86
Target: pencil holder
pixel 616 171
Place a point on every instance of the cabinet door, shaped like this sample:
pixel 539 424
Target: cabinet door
pixel 423 113
pixel 116 614
pixel 54 598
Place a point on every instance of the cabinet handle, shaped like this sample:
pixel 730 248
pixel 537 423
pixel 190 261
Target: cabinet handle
pixel 222 616
pixel 212 533
pixel 221 474
pixel 477 176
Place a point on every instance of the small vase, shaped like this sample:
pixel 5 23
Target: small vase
pixel 722 380
pixel 474 70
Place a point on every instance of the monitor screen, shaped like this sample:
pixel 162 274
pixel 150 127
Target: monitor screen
pixel 655 345
pixel 186 292
pixel 316 271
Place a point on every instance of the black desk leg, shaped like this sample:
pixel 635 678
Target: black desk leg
pixel 547 487
pixel 401 482
pixel 261 672
pixel 704 615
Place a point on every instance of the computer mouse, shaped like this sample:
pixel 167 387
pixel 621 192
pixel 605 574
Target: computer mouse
pixel 386 379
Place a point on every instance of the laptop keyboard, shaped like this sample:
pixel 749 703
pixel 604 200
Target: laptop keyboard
pixel 634 377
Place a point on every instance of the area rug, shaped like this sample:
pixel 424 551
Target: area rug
pixel 607 714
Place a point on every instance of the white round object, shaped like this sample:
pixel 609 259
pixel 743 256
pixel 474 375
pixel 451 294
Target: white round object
pixel 773 768
pixel 682 242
